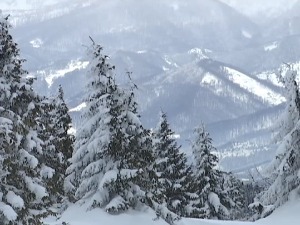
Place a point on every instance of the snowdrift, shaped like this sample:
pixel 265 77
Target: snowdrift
pixel 288 214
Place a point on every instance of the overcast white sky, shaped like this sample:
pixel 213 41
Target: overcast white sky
pixel 24 4
pixel 249 7
pixel 261 7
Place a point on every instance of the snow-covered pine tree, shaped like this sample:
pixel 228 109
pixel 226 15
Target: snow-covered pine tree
pixel 88 163
pixel 58 144
pixel 176 185
pixel 234 196
pixel 285 168
pixel 213 201
pixel 130 150
pixel 21 188
pixel 63 124
pixel 64 141
pixel 45 133
pixel 112 149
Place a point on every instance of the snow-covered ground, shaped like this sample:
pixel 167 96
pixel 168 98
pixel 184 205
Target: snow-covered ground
pixel 288 214
pixel 254 87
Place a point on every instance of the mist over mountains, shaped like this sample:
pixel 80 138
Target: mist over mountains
pixel 197 60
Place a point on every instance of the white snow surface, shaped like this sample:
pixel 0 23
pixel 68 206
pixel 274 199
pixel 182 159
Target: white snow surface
pixel 214 200
pixel 36 43
pixel 35 188
pixel 287 214
pixel 47 172
pixel 254 87
pixel 30 159
pixel 270 76
pixel 271 47
pixel 51 75
pixel 210 79
pixel 111 175
pixel 78 108
pixel 8 211
pixel 15 200
pixel 199 53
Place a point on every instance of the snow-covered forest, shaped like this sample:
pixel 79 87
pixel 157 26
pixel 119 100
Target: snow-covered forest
pixel 105 162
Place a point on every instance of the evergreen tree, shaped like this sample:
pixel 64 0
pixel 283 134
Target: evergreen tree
pixel 176 186
pixel 285 168
pixel 58 144
pixel 112 164
pixel 62 125
pixel 88 164
pixel 111 150
pixel 214 202
pixel 21 189
pixel 233 191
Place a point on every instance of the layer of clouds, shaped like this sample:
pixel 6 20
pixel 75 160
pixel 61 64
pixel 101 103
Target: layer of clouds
pixel 261 8
pixel 25 4
pixel 248 7
pixel 258 10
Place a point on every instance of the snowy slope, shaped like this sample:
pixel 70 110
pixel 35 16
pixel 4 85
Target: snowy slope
pixel 288 214
pixel 214 92
pixel 76 215
pixel 255 87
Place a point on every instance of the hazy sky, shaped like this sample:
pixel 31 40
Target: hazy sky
pixel 24 4
pixel 252 8
pixel 247 6
pixel 261 7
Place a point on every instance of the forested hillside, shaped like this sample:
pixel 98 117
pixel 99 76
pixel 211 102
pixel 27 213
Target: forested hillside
pixel 157 114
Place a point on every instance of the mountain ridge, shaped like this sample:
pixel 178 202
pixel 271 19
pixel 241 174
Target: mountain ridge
pixel 199 61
